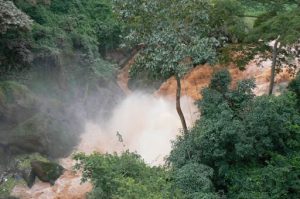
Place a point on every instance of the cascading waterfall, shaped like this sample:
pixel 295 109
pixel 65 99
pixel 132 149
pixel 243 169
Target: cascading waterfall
pixel 143 123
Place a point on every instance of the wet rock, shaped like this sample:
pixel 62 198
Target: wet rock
pixel 45 171
pixel 30 124
pixel 17 103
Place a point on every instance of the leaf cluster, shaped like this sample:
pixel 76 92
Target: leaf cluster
pixel 63 31
pixel 12 17
pixel 174 35
pixel 124 176
pixel 238 131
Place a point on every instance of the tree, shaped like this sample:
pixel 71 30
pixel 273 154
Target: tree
pixel 279 23
pixel 238 130
pixel 124 176
pixel 226 18
pixel 173 35
pixel 13 48
pixel 11 17
pixel 294 86
pixel 195 181
pixel 279 178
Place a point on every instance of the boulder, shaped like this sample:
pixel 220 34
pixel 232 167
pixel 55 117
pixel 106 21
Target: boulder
pixel 30 124
pixel 17 103
pixel 45 171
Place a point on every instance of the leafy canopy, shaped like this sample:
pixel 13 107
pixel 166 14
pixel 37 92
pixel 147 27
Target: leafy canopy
pixel 242 137
pixel 124 176
pixel 63 31
pixel 12 17
pixel 173 35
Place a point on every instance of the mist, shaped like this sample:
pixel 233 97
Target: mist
pixel 146 124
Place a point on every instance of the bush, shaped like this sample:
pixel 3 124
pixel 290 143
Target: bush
pixel 278 179
pixel 238 133
pixel 294 86
pixel 124 176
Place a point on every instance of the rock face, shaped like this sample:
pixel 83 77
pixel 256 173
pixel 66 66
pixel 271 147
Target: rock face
pixel 16 103
pixel 45 171
pixel 29 124
pixel 50 126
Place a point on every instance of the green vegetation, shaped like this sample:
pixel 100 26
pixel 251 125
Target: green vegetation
pixel 249 142
pixel 295 87
pixel 22 163
pixel 51 58
pixel 7 186
pixel 278 179
pixel 265 21
pixel 12 17
pixel 64 48
pixel 242 147
pixel 172 37
pixel 35 129
pixel 228 21
pixel 44 170
pixel 53 55
pixel 124 176
pixel 279 23
pixel 25 160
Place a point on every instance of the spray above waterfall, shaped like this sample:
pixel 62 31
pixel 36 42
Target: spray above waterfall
pixel 141 123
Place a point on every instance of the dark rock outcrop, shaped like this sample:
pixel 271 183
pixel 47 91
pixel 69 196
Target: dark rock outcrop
pixel 45 171
pixel 29 124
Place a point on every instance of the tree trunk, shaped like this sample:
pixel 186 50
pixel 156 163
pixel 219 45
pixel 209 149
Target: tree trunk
pixel 274 62
pixel 178 106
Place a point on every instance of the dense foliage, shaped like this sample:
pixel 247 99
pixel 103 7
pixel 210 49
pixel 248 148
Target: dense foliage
pixel 52 62
pixel 251 143
pixel 174 32
pixel 12 17
pixel 53 74
pixel 66 37
pixel 242 147
pixel 172 37
pixel 278 23
pixel 295 87
pixel 124 176
pixel 227 21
